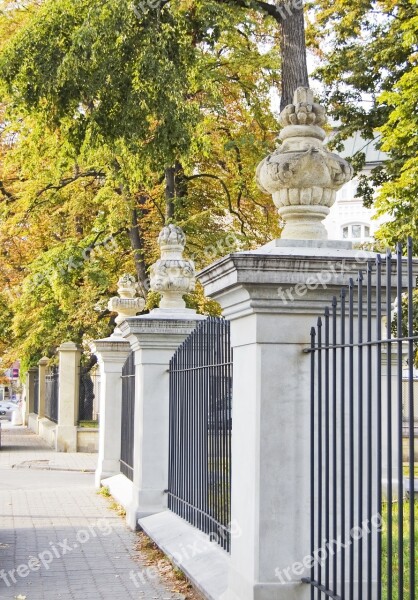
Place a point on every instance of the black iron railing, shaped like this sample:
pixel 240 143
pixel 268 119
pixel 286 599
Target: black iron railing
pixel 36 392
pixel 362 472
pixel 51 394
pixel 128 414
pixel 200 430
pixel 89 386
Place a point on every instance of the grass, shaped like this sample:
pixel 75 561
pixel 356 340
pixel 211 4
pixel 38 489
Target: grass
pixel 104 491
pixel 395 554
pixel 406 470
pixel 113 505
pixel 89 424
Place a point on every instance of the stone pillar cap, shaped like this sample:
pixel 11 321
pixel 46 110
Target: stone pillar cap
pixel 44 361
pixel 69 347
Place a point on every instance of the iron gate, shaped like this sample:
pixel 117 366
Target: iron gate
pixel 51 394
pixel 88 390
pixel 36 392
pixel 128 414
pixel 362 441
pixel 200 430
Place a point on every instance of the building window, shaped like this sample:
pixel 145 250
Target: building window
pixel 356 232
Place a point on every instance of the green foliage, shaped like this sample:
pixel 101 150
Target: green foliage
pixel 370 53
pixel 97 102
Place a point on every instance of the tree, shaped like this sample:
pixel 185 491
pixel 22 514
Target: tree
pixel 105 137
pixel 370 72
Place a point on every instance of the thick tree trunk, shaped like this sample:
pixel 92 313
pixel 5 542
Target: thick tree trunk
pixel 289 16
pixel 181 186
pixel 293 51
pixel 137 243
pixel 170 193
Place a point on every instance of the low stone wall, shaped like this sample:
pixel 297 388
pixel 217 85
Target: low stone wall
pixel 33 422
pixel 48 431
pixel 87 439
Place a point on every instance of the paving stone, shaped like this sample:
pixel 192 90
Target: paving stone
pixel 47 522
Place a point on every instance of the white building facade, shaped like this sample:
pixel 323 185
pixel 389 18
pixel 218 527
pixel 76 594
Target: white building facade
pixel 349 219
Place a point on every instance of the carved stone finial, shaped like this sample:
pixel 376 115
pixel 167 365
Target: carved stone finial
pixel 302 175
pixel 172 275
pixel 127 304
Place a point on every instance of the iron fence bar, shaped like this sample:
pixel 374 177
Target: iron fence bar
pixel 360 431
pixel 312 458
pixel 389 425
pixel 365 344
pixel 197 368
pixel 369 392
pixel 399 422
pixel 199 510
pixel 322 589
pixel 342 441
pixel 351 430
pixel 334 440
pixel 411 425
pixel 379 421
pixel 319 433
pixel 327 439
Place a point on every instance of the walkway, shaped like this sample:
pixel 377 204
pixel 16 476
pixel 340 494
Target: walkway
pixel 58 538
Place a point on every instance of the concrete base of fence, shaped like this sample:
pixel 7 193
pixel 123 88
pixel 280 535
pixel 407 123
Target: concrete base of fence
pixel 47 430
pixel 33 422
pixel 87 439
pixel 121 489
pixel 202 560
pixel 66 438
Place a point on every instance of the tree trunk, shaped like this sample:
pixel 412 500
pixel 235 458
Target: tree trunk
pixel 137 243
pixel 181 186
pixel 170 193
pixel 293 52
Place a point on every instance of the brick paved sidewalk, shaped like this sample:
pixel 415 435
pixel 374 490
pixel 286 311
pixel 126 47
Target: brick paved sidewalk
pixel 21 448
pixel 58 538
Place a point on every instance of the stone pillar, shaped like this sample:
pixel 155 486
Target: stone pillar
pixel 155 338
pixel 273 297
pixel 42 364
pixel 154 341
pixel 111 353
pixel 30 393
pixel 69 383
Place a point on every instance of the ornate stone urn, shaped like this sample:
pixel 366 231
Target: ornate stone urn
pixel 172 275
pixel 302 175
pixel 127 304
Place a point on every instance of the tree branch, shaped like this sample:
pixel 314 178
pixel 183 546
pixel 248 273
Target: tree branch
pixel 64 182
pixel 228 195
pixel 269 9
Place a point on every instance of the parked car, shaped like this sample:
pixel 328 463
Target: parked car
pixel 7 409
